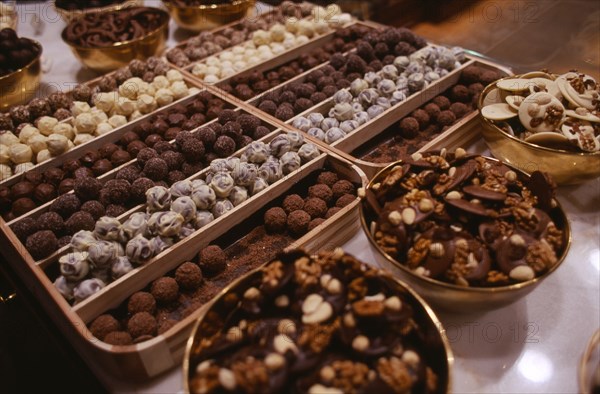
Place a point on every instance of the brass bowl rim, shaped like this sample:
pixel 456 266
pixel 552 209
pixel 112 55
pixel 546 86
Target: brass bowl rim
pixel 165 23
pixel 207 6
pixel 533 146
pixel 470 289
pixel 73 14
pixel 420 300
pixel 583 373
pixel 37 58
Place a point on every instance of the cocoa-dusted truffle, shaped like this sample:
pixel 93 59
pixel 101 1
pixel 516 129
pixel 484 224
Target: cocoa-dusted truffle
pixel 459 109
pixel 356 64
pixel 328 178
pixel 332 211
pixel 24 228
pixel 66 205
pixel 94 208
pixel 207 135
pixel 342 187
pixel 268 106
pixel 442 102
pixel 22 206
pixel 119 157
pixel 146 154
pixel 141 301
pixel 87 188
pixel 409 127
pixel 156 169
pixel 129 173
pixel 315 207
pixel 446 118
pixel 164 326
pixel 193 150
pixel 275 220
pixel 115 210
pixel 51 221
pixel 80 221
pixel 260 132
pixel 139 187
pixel 116 191
pixel 488 76
pixel 212 260
pixel 173 159
pixel 224 146
pixel 118 338
pixel 344 200
pixel 141 324
pixel 422 117
pixel 248 123
pixel 314 223
pixel 44 192
pixel 432 110
pixel 460 93
pixel 321 191
pixel 103 325
pixel 165 290
pixel 471 74
pixel 292 203
pixel 41 244
pixel 297 222
pixel 189 276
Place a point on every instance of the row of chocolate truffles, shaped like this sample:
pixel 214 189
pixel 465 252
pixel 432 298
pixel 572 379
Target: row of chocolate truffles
pixel 113 248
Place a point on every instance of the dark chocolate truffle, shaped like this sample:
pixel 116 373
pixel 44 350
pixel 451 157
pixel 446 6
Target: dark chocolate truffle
pixel 156 169
pixel 66 205
pixel 248 123
pixel 332 211
pixel 297 222
pixel 328 178
pixel 51 221
pixel 224 146
pixel 44 192
pixel 146 154
pixel 212 260
pixel 102 166
pixel 193 150
pixel 41 244
pixel 268 106
pixel 314 223
pixel 66 185
pixel 129 173
pixel 275 220
pixel 442 102
pixel 116 191
pixel 165 290
pixel 141 301
pixel 103 325
pixel 87 188
pixel 315 207
pixel 118 338
pixel 260 132
pixel 54 175
pixel 446 118
pixel 292 203
pixel 189 276
pixel 22 189
pixel 141 324
pixel 409 127
pixel 115 210
pixel 321 191
pixel 342 187
pixel 345 200
pixel 94 208
pixel 119 157
pixel 173 159
pixel 24 228
pixel 80 221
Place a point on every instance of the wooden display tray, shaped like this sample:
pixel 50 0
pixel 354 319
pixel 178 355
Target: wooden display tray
pixel 165 351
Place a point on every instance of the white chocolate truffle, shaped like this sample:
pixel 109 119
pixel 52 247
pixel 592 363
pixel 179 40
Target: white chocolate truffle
pixel 23 167
pixel 87 288
pixel 146 103
pixel 213 70
pixel 290 161
pixel 4 154
pixel 107 228
pixel 20 153
pixel 136 224
pixel 158 198
pixel 82 240
pixel 174 75
pixel 165 224
pixel 308 152
pixel 204 197
pixel 64 287
pixel 277 32
pixel 79 107
pixel 203 218
pixel 164 97
pixel 42 156
pixel 179 89
pixel 8 138
pixel 125 106
pixel 37 143
pixel 101 252
pixel 238 195
pixel 139 249
pixel 64 129
pixel 57 144
pixel 82 138
pixel 84 123
pixel 261 37
pixel 27 132
pixel 199 70
pixel 160 82
pixel 117 121
pixel 103 128
pixel 135 115
pixel 301 40
pixel 45 124
pixel 5 172
pixel 104 101
pixel 131 88
pixel 74 266
pixel 120 267
pixel 305 28
pixel 222 183
pixel 186 207
pixel 221 208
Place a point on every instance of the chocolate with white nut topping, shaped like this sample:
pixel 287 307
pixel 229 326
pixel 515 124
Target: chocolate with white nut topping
pixel 283 334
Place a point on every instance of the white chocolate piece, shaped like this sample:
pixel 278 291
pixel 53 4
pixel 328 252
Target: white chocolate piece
pixel 27 132
pixel 45 124
pixel 23 167
pixel 160 82
pixel 132 87
pixel 533 112
pixel 42 156
pixel 5 172
pixel 37 143
pixel 84 123
pixel 125 106
pixel 4 155
pixel 174 75
pixel 103 128
pixel 498 112
pixel 79 107
pixel 179 89
pixel 164 97
pixel 146 103
pixel 64 129
pixel 57 144
pixel 8 138
pixel 117 121
pixel 514 84
pixel 20 153
pixel 579 113
pixel 82 138
pixel 104 101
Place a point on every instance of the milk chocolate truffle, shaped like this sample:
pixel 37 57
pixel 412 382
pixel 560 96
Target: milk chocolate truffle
pixel 54 175
pixel 212 260
pixel 297 222
pixel 22 206
pixel 224 146
pixel 94 208
pixel 103 325
pixel 344 200
pixel 116 191
pixel 342 187
pixel 459 109
pixel 139 188
pixel 275 220
pixel 141 324
pixel 328 178
pixel 51 221
pixel 321 191
pixel 314 223
pixel 442 102
pixel 141 301
pixel 22 189
pixel 102 166
pixel 118 338
pixel 146 154
pixel 44 192
pixel 80 221
pixel 41 244
pixel 135 147
pixel 66 185
pixel 66 205
pixel 432 110
pixel 87 188
pixel 165 290
pixel 156 169
pixel 409 127
pixel 422 118
pixel 292 203
pixel 81 172
pixel 332 211
pixel 119 157
pixel 446 118
pixel 460 93
pixel 189 276
pixel 24 228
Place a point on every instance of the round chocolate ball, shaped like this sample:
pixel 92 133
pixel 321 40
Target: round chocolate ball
pixel 409 127
pixel 460 93
pixel 165 290
pixel 22 206
pixel 117 191
pixel 139 187
pixel 66 205
pixel 103 325
pixel 275 220
pixel 66 185
pixel 156 169
pixel 146 154
pixel 432 110
pixel 51 221
pixel 115 210
pixel 328 178
pixel 321 191
pixel 189 276
pixel 422 117
pixel 173 159
pixel 24 228
pixel 344 200
pixel 22 189
pixel 314 223
pixel 297 222
pixel 212 260
pixel 315 207
pixel 342 187
pixel 119 157
pixel 459 109
pixel 80 221
pixel 118 338
pixel 129 173
pixel 446 118
pixel 141 301
pixel 54 175
pixel 293 202
pixel 442 102
pixel 224 146
pixel 141 324
pixel 94 208
pixel 332 211
pixel 192 150
pixel 41 244
pixel 87 188
pixel 102 166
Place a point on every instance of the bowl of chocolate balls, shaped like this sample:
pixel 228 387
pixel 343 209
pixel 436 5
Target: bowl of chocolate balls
pixel 20 69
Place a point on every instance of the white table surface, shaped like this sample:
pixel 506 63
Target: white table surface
pixel 533 345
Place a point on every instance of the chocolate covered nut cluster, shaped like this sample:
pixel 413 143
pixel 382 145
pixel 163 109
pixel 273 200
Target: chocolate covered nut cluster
pixel 415 130
pixel 209 43
pixel 377 91
pixel 557 111
pixel 266 44
pixel 466 220
pixel 306 325
pixel 248 85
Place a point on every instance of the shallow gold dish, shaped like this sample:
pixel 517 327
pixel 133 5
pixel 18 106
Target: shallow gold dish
pixel 68 15
pixel 209 16
pixel 20 86
pixel 452 297
pixel 589 366
pixel 109 58
pixel 565 167
pixel 431 330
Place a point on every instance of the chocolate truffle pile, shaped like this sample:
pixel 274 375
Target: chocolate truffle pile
pixel 418 128
pixel 466 220
pixel 377 91
pixel 79 5
pixel 246 86
pixel 323 324
pixel 15 52
pixel 208 43
pixel 101 29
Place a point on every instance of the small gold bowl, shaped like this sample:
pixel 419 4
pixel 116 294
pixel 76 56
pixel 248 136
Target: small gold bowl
pixel 589 366
pixel 119 54
pixel 69 15
pixel 451 297
pixel 20 86
pixel 431 332
pixel 209 16
pixel 565 167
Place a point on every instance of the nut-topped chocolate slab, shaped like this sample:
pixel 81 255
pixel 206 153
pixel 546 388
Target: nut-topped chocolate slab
pixel 466 220
pixel 312 324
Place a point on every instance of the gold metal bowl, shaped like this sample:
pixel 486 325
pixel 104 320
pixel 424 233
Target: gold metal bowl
pixel 109 58
pixel 589 366
pixel 565 167
pixel 452 297
pixel 69 15
pixel 431 329
pixel 20 86
pixel 209 16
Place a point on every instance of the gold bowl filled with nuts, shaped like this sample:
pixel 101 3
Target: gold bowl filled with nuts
pixel 318 324
pixel 197 15
pixel 466 231
pixel 106 41
pixel 545 122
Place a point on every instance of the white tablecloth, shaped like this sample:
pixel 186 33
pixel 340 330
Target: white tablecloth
pixel 533 345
